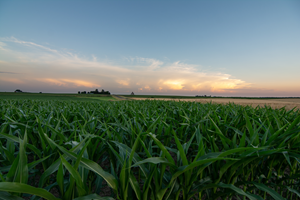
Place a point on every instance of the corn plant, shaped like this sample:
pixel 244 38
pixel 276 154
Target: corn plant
pixel 158 150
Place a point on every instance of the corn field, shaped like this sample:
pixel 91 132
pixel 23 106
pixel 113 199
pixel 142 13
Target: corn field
pixel 158 150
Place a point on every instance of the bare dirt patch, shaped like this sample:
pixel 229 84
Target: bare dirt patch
pixel 274 103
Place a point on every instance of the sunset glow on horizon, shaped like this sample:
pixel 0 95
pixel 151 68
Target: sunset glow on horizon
pixel 167 48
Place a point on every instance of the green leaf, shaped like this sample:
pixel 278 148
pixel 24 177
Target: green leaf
pixel 54 167
pixel 238 150
pixel 135 145
pixel 133 182
pixel 225 141
pixel 243 140
pixel 89 164
pixel 9 155
pixel 61 135
pixel 124 180
pixel 294 191
pixel 287 157
pixel 60 179
pixel 273 193
pixel 237 190
pixel 75 175
pixel 275 135
pixel 183 169
pixel 136 158
pixel 248 125
pixel 293 124
pixel 27 189
pixel 35 163
pixel 9 137
pixel 8 196
pixel 162 147
pixel 154 123
pixel 23 167
pixel 135 186
pixel 224 169
pixel 155 160
pixel 13 171
pixel 147 183
pixel 180 148
pixel 93 197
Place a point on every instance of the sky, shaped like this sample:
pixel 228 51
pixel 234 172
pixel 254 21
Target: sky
pixel 204 47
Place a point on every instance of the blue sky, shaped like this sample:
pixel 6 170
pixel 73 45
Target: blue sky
pixel 229 48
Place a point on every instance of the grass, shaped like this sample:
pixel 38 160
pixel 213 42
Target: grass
pixel 108 98
pixel 194 97
pixel 53 96
pixel 159 96
pixel 158 150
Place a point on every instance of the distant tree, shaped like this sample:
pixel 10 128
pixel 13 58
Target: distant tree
pixel 132 93
pixel 17 90
pixel 102 92
pixel 78 92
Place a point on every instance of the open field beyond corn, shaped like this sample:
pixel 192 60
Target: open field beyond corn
pixel 158 150
pixel 274 103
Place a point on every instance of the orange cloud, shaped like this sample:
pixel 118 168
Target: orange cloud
pixel 69 82
pixel 81 83
pixel 228 84
pixel 12 80
pixel 174 84
pixel 123 82
pixel 53 81
pixel 147 87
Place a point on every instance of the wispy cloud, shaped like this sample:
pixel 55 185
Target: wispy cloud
pixel 13 39
pixel 68 83
pixel 149 63
pixel 12 80
pixel 62 69
pixel 1 72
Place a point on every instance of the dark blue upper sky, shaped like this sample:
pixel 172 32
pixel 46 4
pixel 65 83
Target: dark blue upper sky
pixel 255 41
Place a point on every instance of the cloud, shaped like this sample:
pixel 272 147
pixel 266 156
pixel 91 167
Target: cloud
pixel 52 81
pixel 173 84
pixel 2 72
pixel 2 45
pixel 68 83
pixel 123 82
pixel 13 39
pixel 12 80
pixel 65 71
pixel 152 64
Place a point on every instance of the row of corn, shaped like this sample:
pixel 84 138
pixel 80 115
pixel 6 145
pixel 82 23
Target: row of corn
pixel 144 150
